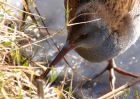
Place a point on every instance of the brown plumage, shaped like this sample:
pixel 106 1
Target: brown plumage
pixel 115 7
pixel 105 31
pixel 114 12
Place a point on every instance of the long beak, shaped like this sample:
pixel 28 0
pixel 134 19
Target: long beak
pixel 67 47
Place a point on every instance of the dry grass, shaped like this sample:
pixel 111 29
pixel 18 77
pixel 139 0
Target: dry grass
pixel 16 72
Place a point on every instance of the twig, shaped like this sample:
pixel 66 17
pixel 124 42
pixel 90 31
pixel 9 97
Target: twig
pixel 49 35
pixel 120 90
pixel 19 9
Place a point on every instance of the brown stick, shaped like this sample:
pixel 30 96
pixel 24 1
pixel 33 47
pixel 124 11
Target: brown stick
pixel 120 89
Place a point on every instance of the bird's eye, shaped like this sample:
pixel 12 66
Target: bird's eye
pixel 84 36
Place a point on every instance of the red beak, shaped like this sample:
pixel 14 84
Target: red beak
pixel 61 54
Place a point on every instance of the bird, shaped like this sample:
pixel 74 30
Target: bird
pixel 99 30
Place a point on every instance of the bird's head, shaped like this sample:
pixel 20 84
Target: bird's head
pixel 96 20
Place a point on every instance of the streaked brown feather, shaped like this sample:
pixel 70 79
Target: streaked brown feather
pixel 114 12
pixel 117 7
